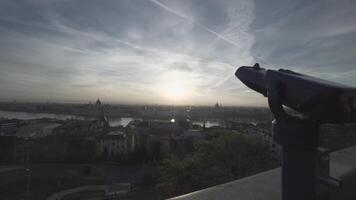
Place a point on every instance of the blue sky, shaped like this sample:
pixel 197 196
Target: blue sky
pixel 165 51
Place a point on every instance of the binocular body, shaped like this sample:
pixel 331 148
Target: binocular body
pixel 318 99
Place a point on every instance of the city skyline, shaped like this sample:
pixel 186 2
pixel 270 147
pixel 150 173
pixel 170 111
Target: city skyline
pixel 167 52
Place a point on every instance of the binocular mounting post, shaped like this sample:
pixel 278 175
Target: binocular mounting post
pixel 298 137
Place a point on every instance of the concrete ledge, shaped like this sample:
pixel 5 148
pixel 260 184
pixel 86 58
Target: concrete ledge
pixel 343 166
pixel 267 185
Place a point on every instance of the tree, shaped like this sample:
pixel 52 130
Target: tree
pixel 179 176
pixel 223 156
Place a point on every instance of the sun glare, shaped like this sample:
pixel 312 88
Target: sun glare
pixel 176 87
pixel 175 90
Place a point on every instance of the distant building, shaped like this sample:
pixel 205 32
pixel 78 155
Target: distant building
pixel 101 120
pixel 217 105
pixel 37 129
pixel 9 126
pixel 7 148
pixel 115 143
pixel 158 127
pixel 77 128
pixel 183 123
pixel 193 134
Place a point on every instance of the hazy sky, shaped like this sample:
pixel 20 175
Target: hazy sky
pixel 167 51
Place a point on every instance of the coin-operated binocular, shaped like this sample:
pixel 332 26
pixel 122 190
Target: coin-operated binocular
pixel 315 101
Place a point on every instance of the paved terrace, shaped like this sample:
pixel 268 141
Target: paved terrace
pixel 267 185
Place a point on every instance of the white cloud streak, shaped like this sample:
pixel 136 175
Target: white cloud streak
pixel 126 50
pixel 218 35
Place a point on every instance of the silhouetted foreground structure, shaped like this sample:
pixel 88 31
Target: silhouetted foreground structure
pixel 317 102
pixel 267 185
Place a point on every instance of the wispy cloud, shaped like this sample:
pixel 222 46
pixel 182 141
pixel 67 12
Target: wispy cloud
pixel 204 27
pixel 127 50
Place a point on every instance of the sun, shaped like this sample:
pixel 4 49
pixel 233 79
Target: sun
pixel 175 89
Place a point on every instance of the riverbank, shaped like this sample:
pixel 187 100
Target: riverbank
pixel 124 121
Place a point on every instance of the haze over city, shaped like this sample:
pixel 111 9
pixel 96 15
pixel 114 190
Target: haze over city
pixel 167 52
pixel 177 99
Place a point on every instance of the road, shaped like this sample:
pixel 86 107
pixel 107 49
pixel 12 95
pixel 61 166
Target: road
pixel 61 194
pixel 7 168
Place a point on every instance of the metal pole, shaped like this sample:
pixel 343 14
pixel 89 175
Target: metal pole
pixel 298 174
pixel 299 141
pixel 28 170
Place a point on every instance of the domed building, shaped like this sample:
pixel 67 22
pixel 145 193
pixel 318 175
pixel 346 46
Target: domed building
pixel 101 122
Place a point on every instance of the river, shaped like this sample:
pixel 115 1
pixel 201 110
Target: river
pixel 123 121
